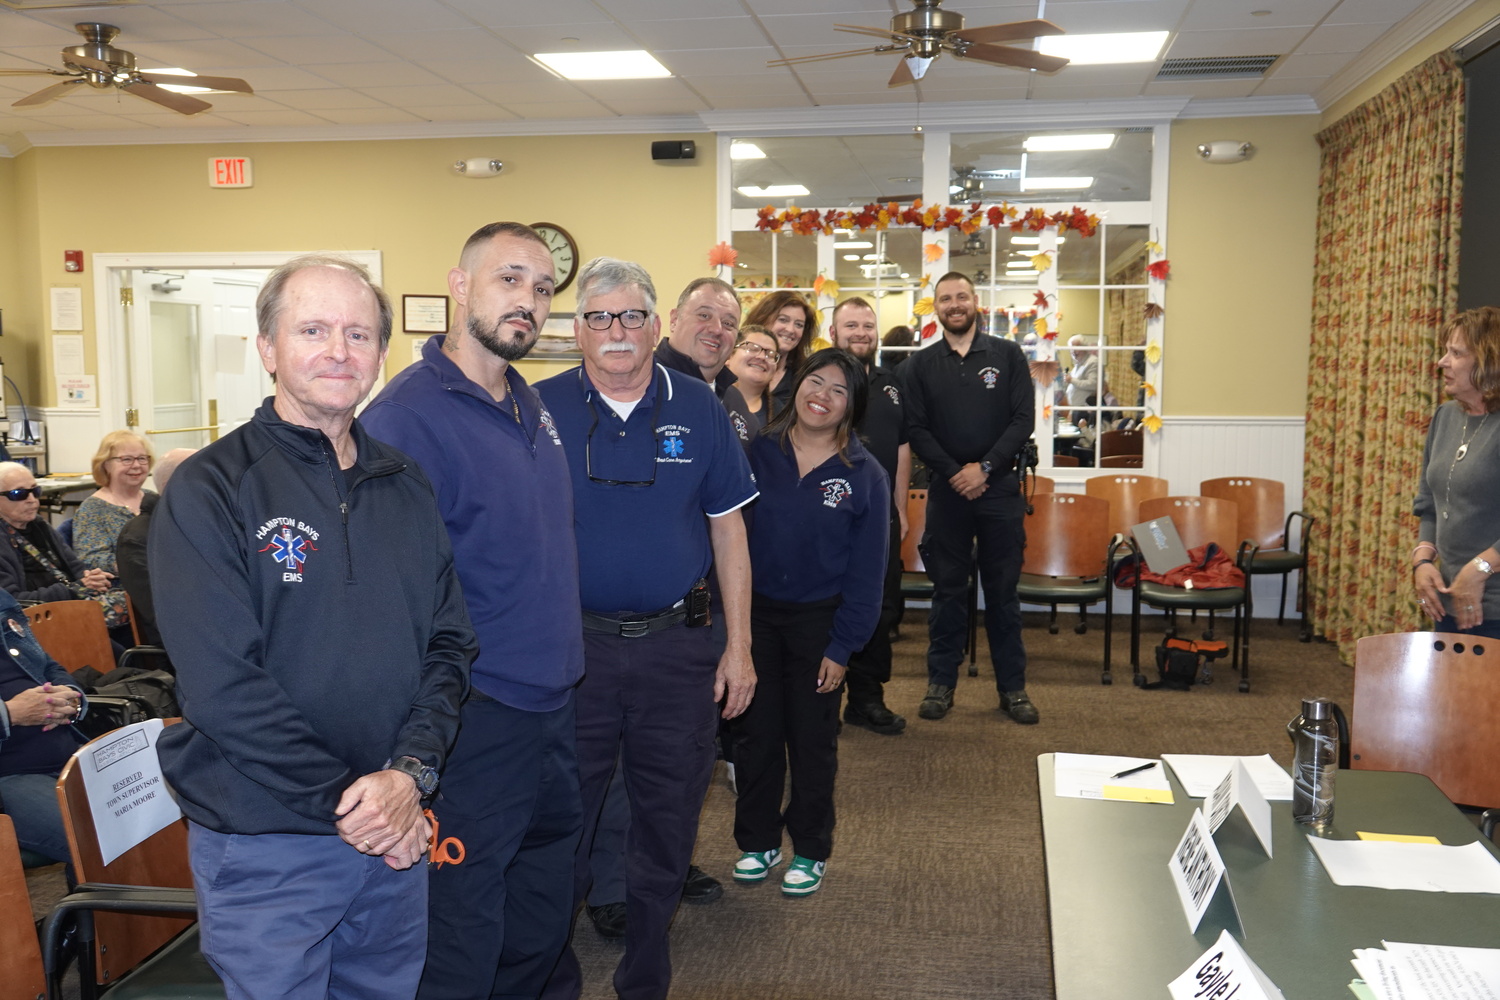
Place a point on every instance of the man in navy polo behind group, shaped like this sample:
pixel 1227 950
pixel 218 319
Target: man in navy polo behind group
pixel 500 917
pixel 651 452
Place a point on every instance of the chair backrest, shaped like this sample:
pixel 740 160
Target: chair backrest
pixel 916 523
pixel 1427 702
pixel 73 633
pixel 21 974
pixel 1067 535
pixel 123 940
pixel 1121 443
pixel 1199 520
pixel 1121 462
pixel 1125 493
pixel 1065 461
pixel 1262 504
pixel 1044 484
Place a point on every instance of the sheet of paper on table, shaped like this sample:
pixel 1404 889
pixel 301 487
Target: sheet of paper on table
pixel 1090 776
pixel 1383 864
pixel 1201 773
pixel 1429 972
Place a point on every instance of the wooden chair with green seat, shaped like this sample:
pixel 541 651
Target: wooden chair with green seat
pixel 1262 505
pixel 916 585
pixel 1068 553
pixel 1199 520
pixel 1125 491
pixel 1427 702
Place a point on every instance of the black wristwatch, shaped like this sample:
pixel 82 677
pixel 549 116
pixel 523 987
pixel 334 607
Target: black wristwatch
pixel 986 467
pixel 425 777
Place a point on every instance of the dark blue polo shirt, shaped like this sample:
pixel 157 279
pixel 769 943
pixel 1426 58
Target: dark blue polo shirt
pixel 642 547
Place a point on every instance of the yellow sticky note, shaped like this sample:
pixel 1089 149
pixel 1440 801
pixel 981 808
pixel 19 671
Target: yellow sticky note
pixel 1400 838
pixel 1125 793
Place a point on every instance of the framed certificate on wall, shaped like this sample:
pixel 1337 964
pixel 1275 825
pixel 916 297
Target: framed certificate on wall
pixel 424 313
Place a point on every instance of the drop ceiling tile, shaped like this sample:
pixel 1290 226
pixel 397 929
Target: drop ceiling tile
pixel 698 32
pixel 270 78
pixel 191 55
pixel 311 50
pixel 138 23
pixel 514 14
pixel 550 89
pixel 275 119
pixel 1250 42
pixel 336 98
pixel 718 87
pixel 1373 11
pixel 818 29
pixel 1323 65
pixel 367 116
pixel 1200 88
pixel 251 18
pixel 467 43
pixel 1341 38
pixel 750 98
pixel 592 36
pixel 1092 17
pixel 439 95
pixel 661 106
pixel 377 74
pixel 18 30
pixel 1204 14
pixel 461 113
pixel 111 122
pixel 645 10
pixel 1070 92
pixel 858 8
pixel 543 110
pixel 379 18
pixel 503 65
pixel 692 62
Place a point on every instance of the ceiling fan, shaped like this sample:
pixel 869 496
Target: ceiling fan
pixel 928 31
pixel 101 66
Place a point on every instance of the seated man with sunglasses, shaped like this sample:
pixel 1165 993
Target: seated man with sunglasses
pixel 37 565
pixel 650 452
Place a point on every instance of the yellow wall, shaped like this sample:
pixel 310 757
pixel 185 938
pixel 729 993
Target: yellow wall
pixel 398 197
pixel 1454 30
pixel 1240 237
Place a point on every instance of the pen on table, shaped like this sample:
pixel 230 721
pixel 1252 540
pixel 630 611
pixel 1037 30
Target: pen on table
pixel 1132 770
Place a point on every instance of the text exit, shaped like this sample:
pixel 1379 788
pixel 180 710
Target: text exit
pixel 229 172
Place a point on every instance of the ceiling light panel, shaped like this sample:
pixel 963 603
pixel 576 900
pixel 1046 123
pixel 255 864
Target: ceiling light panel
pixel 630 64
pixel 774 191
pixel 1068 143
pixel 1056 183
pixel 1098 50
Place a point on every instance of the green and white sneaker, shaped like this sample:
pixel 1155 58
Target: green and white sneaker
pixel 754 866
pixel 803 877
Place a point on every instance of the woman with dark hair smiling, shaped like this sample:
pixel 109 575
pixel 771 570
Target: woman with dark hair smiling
pixel 818 537
pixel 1458 552
pixel 794 324
pixel 753 362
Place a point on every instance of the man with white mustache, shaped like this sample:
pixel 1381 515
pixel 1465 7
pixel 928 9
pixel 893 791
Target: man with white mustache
pixel 970 410
pixel 500 917
pixel 659 478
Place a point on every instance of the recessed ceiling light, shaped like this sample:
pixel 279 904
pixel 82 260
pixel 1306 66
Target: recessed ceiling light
pixel 773 191
pixel 1068 143
pixel 1014 265
pixel 746 151
pixel 630 64
pixel 851 256
pixel 1032 241
pixel 1056 183
pixel 854 245
pixel 1094 50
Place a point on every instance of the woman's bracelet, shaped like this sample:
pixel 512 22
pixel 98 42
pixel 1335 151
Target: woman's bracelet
pixel 1420 563
pixel 1423 545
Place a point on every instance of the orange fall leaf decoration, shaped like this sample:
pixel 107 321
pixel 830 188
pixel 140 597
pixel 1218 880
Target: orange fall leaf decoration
pixel 932 252
pixel 1154 310
pixel 1159 269
pixel 1044 373
pixel 723 255
pixel 1152 423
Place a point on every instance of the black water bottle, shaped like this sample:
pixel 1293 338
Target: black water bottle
pixel 1315 762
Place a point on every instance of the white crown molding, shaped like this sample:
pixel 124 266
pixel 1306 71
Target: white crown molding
pixel 985 115
pixel 1248 107
pixel 1417 26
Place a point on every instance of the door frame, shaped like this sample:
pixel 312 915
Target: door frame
pixel 109 319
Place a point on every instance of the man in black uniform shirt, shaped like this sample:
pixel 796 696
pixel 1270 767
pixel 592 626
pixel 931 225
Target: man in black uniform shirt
pixel 883 431
pixel 970 408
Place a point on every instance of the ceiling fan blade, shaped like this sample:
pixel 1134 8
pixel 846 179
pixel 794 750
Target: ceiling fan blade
pixel 34 72
pixel 1005 55
pixel 89 62
pixel 185 104
pixel 827 55
pixel 46 94
pixel 1014 31
pixel 211 82
pixel 860 29
pixel 902 76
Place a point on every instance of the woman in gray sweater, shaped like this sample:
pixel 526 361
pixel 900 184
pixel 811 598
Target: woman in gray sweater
pixel 1458 498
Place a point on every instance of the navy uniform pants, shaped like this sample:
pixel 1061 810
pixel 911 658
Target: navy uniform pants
pixel 649 701
pixel 499 919
pixel 998 520
pixel 870 668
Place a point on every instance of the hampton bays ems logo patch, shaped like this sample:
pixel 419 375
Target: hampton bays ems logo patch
pixel 835 491
pixel 290 543
pixel 892 392
pixel 550 427
pixel 990 377
pixel 741 428
pixel 673 446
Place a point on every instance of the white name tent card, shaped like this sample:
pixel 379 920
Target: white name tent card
pixel 1197 869
pixel 1200 773
pixel 1239 789
pixel 1224 972
pixel 127 794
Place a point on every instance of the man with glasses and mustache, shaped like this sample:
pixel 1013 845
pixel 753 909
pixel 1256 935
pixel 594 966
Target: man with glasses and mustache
pixel 500 916
pixel 651 453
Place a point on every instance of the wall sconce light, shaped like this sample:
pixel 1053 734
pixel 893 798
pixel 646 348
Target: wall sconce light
pixel 1226 151
pixel 480 166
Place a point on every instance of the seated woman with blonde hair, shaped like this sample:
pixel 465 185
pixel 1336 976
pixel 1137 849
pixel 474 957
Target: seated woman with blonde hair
pixel 120 467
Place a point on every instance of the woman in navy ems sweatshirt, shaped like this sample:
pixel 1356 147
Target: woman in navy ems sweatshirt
pixel 818 537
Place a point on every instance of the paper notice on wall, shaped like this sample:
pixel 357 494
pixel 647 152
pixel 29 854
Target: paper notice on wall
pixel 127 794
pixel 67 355
pixel 67 307
pixel 77 391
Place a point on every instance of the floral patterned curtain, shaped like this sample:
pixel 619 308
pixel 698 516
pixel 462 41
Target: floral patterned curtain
pixel 1385 280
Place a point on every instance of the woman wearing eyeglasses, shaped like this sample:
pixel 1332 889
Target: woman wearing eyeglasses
pixel 37 565
pixel 754 363
pixel 818 537
pixel 121 466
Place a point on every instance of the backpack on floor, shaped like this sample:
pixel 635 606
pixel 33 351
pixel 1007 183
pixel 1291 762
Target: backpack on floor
pixel 1179 661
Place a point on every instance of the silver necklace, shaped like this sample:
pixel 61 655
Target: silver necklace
pixel 1465 439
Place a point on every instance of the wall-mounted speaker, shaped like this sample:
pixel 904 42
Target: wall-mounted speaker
pixel 674 150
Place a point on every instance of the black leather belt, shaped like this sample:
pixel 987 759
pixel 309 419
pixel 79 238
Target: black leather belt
pixel 635 626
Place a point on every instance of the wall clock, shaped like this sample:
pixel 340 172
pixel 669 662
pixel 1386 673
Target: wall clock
pixel 564 251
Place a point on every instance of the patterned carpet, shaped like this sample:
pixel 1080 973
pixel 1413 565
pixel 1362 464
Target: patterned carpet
pixel 937 890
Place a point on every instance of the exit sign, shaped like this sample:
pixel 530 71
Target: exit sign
pixel 229 172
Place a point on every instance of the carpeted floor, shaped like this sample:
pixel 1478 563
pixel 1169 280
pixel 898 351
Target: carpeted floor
pixel 936 890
